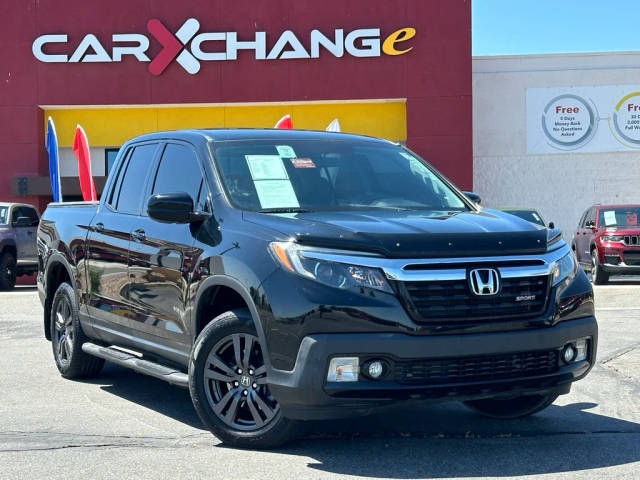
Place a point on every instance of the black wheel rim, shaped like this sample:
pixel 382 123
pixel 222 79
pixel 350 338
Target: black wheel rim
pixel 63 334
pixel 236 383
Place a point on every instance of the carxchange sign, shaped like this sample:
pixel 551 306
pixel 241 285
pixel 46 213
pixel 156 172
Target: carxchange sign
pixel 364 42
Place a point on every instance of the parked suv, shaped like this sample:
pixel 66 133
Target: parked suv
pixel 607 241
pixel 18 253
pixel 287 275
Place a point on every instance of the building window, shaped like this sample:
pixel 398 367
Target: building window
pixel 110 155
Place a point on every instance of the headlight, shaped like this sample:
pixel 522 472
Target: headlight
pixel 339 275
pixel 566 267
pixel 612 238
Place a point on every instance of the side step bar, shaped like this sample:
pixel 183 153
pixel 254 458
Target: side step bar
pixel 128 360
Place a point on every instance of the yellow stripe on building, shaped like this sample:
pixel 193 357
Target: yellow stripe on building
pixel 112 126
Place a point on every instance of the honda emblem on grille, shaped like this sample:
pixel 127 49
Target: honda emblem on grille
pixel 484 281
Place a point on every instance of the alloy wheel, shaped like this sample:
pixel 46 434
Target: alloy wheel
pixel 593 268
pixel 64 332
pixel 236 383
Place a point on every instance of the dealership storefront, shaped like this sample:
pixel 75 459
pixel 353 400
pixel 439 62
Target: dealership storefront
pixel 398 70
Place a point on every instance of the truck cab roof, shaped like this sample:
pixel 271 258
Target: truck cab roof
pixel 230 134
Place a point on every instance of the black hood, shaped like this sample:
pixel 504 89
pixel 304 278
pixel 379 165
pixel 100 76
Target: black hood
pixel 410 233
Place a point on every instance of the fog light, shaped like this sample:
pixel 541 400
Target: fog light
pixel 376 369
pixel 343 369
pixel 568 353
pixel 581 350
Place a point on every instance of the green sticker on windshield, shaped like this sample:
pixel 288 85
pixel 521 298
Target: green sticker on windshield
pixel 285 151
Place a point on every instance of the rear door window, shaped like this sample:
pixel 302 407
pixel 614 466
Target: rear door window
pixel 16 213
pixel 131 188
pixel 31 214
pixel 22 211
pixel 112 198
pixel 591 216
pixel 582 219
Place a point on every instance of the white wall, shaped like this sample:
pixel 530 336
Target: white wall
pixel 561 186
pixel 69 162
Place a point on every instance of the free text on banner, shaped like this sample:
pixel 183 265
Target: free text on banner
pixel 587 119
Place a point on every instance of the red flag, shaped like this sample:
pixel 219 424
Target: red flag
pixel 81 150
pixel 284 123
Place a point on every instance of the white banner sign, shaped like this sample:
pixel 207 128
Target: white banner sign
pixel 586 119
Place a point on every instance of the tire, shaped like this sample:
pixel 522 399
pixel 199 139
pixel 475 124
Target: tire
pixel 598 276
pixel 236 407
pixel 67 337
pixel 8 268
pixel 510 408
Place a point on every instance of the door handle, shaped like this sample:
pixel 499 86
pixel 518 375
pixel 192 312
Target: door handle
pixel 100 227
pixel 139 235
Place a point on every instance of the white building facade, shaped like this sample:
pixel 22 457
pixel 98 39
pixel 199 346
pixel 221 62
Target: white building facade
pixel 557 132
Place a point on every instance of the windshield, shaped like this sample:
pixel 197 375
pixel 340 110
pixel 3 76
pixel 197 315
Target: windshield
pixel 306 175
pixel 3 215
pixel 619 217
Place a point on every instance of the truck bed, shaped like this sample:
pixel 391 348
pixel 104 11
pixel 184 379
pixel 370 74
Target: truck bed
pixel 64 226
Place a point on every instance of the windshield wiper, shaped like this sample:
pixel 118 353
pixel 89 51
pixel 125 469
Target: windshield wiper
pixel 284 210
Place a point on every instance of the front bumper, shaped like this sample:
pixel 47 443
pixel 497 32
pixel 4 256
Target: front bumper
pixel 621 269
pixel 619 259
pixel 303 392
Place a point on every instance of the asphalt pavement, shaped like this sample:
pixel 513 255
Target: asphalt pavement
pixel 125 425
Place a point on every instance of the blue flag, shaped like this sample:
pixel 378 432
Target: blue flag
pixel 51 144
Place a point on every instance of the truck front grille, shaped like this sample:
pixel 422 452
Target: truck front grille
pixel 471 369
pixel 434 301
pixel 632 240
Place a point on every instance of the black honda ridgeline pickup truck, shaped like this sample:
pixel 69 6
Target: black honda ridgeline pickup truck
pixel 296 275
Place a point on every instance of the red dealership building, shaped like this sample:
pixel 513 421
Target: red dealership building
pixel 396 69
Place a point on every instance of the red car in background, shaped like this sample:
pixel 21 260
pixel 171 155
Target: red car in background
pixel 607 241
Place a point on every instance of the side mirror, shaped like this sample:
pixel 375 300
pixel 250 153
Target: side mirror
pixel 552 225
pixel 174 208
pixel 22 222
pixel 474 197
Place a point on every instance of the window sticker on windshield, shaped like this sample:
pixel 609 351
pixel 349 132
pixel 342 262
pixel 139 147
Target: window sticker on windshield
pixel 276 194
pixel 266 167
pixel 272 183
pixel 632 218
pixel 285 151
pixel 610 218
pixel 303 163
